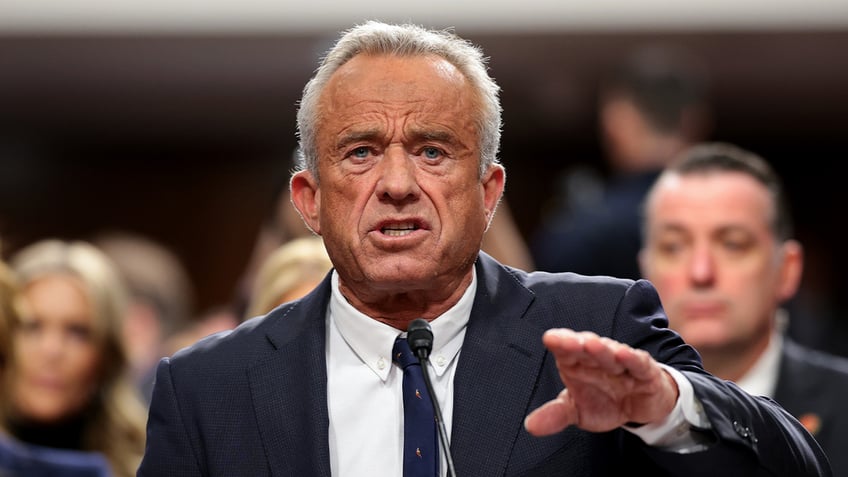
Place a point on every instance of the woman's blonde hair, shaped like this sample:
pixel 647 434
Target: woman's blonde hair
pixel 117 424
pixel 9 313
pixel 298 261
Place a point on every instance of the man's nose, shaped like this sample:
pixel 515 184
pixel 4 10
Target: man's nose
pixel 702 266
pixel 398 179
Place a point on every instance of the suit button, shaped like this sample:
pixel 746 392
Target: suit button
pixel 744 431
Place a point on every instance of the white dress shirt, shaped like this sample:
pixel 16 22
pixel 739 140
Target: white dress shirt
pixel 365 397
pixel 761 379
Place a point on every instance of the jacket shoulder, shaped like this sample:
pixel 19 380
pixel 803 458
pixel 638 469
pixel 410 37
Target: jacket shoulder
pixel 245 342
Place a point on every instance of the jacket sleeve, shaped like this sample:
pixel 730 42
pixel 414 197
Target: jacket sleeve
pixel 774 442
pixel 749 435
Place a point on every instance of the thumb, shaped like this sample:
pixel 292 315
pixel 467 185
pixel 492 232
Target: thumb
pixel 552 417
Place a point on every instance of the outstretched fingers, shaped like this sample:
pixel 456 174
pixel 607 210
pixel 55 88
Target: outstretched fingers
pixel 607 384
pixel 598 354
pixel 552 417
pixel 638 363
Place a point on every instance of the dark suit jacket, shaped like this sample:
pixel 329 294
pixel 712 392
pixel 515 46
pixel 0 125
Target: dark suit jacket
pixel 601 237
pixel 253 402
pixel 813 387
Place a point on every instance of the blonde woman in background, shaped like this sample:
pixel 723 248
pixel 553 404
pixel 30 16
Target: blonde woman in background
pixel 291 271
pixel 287 273
pixel 67 383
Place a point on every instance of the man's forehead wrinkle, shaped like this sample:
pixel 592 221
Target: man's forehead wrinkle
pixel 413 133
pixel 431 134
pixel 352 134
pixel 378 109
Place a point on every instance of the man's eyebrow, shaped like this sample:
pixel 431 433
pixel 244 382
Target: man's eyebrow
pixel 356 136
pixel 674 227
pixel 436 135
pixel 732 228
pixel 417 135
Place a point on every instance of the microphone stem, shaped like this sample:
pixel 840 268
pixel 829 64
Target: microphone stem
pixel 443 433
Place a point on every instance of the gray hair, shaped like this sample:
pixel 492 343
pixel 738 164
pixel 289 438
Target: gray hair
pixel 378 38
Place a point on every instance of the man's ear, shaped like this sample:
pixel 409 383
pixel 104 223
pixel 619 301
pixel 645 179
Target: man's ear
pixel 306 198
pixel 493 187
pixel 792 267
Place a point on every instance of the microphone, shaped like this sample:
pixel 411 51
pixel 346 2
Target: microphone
pixel 420 338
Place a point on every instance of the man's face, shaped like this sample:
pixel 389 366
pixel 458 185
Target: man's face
pixel 400 205
pixel 713 258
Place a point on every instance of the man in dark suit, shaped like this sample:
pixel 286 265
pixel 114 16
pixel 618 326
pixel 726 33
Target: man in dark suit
pixel 399 132
pixel 718 247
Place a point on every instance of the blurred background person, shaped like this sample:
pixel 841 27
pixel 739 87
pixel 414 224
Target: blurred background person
pixel 66 383
pixel 161 299
pixel 505 242
pixel 18 459
pixel 651 106
pixel 288 273
pixel 280 225
pixel 719 248
pixel 211 321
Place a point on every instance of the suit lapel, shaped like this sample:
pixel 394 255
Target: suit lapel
pixel 289 390
pixel 499 363
pixel 498 367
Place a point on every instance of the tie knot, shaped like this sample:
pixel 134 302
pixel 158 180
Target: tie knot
pixel 402 354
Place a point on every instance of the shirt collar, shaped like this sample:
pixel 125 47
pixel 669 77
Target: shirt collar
pixel 761 379
pixel 372 341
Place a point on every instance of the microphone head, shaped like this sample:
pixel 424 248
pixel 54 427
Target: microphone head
pixel 420 338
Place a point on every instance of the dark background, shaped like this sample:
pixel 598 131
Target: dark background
pixel 185 137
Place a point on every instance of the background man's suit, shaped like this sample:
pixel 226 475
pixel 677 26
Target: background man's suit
pixel 813 387
pixel 254 401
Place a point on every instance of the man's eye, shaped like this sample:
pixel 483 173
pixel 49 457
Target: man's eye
pixel 431 153
pixel 670 248
pixel 736 245
pixel 360 152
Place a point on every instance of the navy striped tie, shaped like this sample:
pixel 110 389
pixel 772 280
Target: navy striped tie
pixel 420 441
